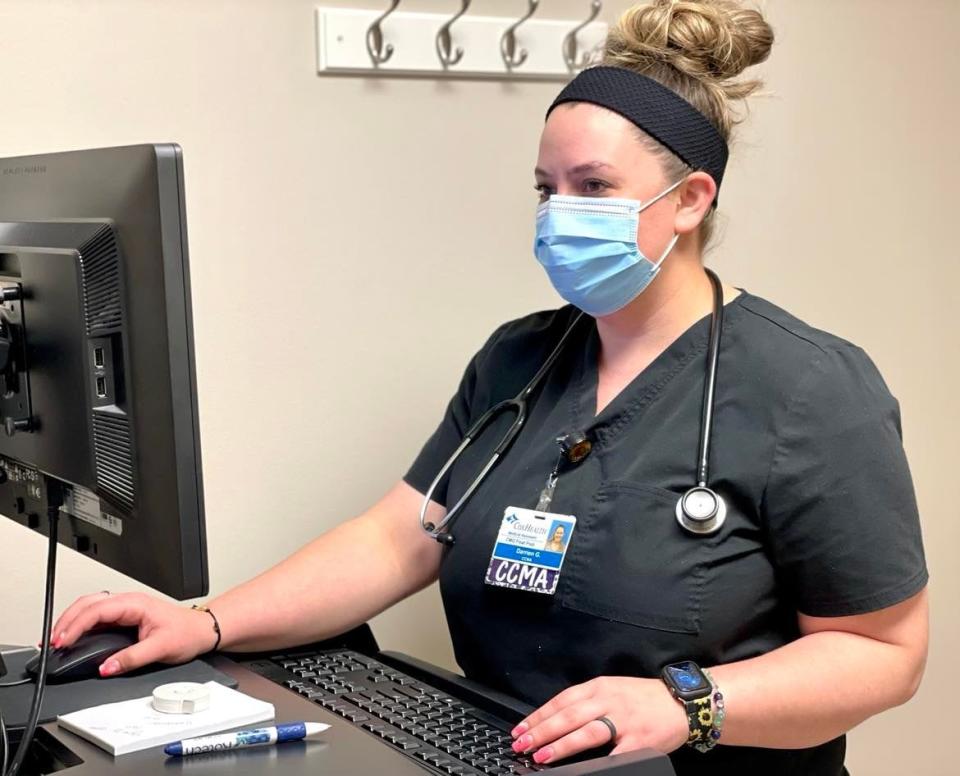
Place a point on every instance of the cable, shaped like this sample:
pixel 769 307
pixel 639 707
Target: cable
pixel 4 744
pixel 53 520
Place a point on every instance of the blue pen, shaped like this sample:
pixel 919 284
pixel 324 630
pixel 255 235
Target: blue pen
pixel 290 731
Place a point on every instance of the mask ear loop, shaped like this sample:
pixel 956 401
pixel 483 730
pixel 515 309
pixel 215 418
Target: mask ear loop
pixel 673 242
pixel 660 196
pixel 656 267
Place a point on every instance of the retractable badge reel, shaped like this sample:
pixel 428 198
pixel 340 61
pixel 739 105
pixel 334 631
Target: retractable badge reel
pixel 574 447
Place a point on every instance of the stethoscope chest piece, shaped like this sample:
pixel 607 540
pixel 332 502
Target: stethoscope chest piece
pixel 701 511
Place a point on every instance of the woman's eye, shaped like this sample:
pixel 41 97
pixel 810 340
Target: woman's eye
pixel 544 191
pixel 593 186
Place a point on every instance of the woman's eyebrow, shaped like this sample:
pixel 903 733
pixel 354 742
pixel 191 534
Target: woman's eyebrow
pixel 580 168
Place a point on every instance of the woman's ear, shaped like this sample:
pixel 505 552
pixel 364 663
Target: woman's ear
pixel 696 195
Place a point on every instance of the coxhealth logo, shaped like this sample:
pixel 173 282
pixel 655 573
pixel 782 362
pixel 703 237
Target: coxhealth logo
pixel 512 518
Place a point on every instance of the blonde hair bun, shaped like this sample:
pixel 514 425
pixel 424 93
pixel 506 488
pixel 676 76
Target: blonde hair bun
pixel 710 41
pixel 696 48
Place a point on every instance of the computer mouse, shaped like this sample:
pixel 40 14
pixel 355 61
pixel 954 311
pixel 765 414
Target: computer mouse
pixel 83 659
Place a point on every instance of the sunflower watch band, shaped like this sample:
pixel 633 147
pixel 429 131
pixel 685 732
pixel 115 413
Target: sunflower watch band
pixel 695 690
pixel 700 719
pixel 719 714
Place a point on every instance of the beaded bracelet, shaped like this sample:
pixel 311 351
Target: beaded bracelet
pixel 719 714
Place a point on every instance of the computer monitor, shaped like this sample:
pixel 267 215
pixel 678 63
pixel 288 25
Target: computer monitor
pixel 97 377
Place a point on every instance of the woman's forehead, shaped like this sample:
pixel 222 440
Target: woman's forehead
pixel 579 134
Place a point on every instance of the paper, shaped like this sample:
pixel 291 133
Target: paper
pixel 129 726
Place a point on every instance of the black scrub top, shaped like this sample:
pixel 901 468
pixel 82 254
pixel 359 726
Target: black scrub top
pixel 807 453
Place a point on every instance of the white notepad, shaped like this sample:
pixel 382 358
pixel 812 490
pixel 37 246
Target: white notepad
pixel 129 726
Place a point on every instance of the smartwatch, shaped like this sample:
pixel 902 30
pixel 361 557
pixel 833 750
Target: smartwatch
pixel 691 687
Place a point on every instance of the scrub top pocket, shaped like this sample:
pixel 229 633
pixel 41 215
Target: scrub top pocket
pixel 630 561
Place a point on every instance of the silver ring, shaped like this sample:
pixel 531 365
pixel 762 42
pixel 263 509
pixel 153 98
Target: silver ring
pixel 610 726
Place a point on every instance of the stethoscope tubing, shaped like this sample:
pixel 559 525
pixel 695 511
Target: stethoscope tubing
pixel 518 404
pixel 697 525
pixel 710 384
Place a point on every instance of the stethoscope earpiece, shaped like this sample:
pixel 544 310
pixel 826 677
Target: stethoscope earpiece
pixel 701 511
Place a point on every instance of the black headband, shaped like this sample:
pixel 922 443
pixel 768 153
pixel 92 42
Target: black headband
pixel 660 112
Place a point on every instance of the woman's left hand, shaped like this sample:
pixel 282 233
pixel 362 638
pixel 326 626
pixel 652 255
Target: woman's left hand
pixel 643 712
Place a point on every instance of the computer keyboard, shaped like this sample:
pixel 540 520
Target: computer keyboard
pixel 439 730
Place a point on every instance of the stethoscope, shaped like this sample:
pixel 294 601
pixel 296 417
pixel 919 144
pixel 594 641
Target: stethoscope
pixel 699 511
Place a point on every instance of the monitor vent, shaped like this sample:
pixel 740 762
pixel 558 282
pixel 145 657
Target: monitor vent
pixel 100 270
pixel 113 448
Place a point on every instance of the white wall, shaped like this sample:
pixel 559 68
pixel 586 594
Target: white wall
pixel 352 242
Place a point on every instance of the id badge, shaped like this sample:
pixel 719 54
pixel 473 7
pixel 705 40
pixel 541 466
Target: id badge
pixel 530 549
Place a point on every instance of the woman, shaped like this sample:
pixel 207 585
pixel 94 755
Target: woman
pixel 556 541
pixel 806 603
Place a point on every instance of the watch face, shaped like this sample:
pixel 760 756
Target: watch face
pixel 687 678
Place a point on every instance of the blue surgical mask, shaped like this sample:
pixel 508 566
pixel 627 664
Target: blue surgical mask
pixel 588 246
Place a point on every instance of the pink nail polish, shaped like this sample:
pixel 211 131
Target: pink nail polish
pixel 543 755
pixel 109 668
pixel 522 743
pixel 519 729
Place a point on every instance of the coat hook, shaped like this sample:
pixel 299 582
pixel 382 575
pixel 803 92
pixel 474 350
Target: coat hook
pixel 570 45
pixel 375 48
pixel 445 50
pixel 508 41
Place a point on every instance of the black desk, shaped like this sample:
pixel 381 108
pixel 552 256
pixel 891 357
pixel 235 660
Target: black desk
pixel 343 750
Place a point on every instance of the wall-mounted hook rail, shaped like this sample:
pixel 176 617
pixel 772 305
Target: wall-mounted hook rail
pixel 380 53
pixel 513 58
pixel 348 44
pixel 446 52
pixel 571 47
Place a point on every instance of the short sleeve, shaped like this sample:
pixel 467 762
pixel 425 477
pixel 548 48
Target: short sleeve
pixel 448 435
pixel 839 505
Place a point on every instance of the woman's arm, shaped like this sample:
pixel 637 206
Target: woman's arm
pixel 840 672
pixel 335 582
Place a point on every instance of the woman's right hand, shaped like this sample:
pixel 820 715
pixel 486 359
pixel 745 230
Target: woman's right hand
pixel 167 633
